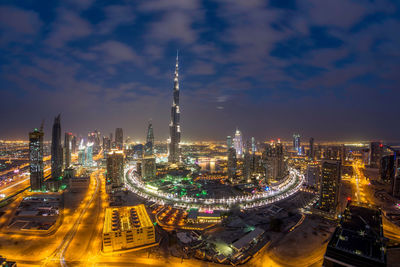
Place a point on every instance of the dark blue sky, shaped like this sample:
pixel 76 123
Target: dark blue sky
pixel 328 69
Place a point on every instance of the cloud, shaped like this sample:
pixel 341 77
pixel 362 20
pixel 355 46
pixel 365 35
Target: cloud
pixel 19 20
pixel 341 13
pixel 115 52
pixel 116 15
pixel 174 26
pixel 80 4
pixel 202 68
pixel 161 5
pixel 68 27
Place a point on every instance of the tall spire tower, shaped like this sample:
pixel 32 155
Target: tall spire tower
pixel 174 127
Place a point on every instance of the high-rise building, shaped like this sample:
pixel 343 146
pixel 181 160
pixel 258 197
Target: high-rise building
pixel 67 149
pixel 387 168
pixel 375 154
pixel 149 146
pixel 312 150
pixel 247 166
pixel 229 142
pixel 330 185
pixel 296 144
pixel 82 153
pixel 73 144
pixel 119 138
pixel 232 164
pixel 36 159
pixel 358 240
pixel 89 154
pixel 149 161
pixel 396 178
pixel 106 143
pixel 56 149
pixel 115 169
pixel 238 144
pixel 253 145
pixel 313 174
pixel 174 153
pixel 274 162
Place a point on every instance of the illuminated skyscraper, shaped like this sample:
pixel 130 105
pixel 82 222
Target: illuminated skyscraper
pixel 253 145
pixel 174 126
pixel 232 164
pixel 229 143
pixel 82 153
pixel 67 149
pixel 274 162
pixel 149 146
pixel 149 161
pixel 89 154
pixel 238 143
pixel 375 154
pixel 73 144
pixel 330 185
pixel 119 138
pixel 296 144
pixel 36 159
pixel 247 166
pixel 115 168
pixel 56 149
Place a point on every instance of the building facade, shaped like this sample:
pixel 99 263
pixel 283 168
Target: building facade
pixel 56 149
pixel 274 163
pixel 238 144
pixel 119 138
pixel 115 169
pixel 36 159
pixel 330 185
pixel 174 149
pixel 67 149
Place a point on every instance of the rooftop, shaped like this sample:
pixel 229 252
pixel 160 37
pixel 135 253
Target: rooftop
pixel 126 218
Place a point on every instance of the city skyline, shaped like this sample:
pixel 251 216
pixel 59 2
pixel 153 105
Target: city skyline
pixel 289 67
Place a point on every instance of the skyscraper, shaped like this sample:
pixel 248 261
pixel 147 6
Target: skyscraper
pixel 229 143
pixel 115 168
pixel 247 166
pixel 119 138
pixel 89 154
pixel 174 127
pixel 296 144
pixel 253 145
pixel 73 144
pixel 149 161
pixel 375 154
pixel 82 153
pixel 312 150
pixel 36 159
pixel 56 149
pixel 232 164
pixel 67 149
pixel 274 162
pixel 330 185
pixel 149 146
pixel 238 143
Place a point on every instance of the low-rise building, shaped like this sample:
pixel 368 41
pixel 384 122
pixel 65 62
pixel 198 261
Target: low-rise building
pixel 126 228
pixel 195 216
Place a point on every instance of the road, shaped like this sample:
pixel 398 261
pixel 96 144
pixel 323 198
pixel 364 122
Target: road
pixel 47 250
pixel 59 252
pixel 364 192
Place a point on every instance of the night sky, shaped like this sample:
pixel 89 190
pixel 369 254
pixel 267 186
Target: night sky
pixel 323 68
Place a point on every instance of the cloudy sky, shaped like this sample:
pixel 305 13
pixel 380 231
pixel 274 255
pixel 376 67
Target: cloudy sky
pixel 328 69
